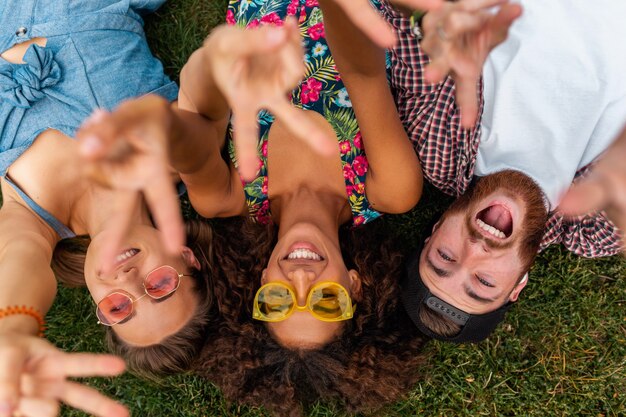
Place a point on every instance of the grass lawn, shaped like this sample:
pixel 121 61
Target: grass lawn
pixel 561 351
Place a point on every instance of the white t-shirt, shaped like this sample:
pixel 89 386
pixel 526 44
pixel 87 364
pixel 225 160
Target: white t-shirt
pixel 555 91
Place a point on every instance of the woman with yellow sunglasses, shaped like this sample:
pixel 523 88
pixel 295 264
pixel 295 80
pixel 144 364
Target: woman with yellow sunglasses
pixel 315 306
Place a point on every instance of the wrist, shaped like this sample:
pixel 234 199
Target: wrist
pixel 21 324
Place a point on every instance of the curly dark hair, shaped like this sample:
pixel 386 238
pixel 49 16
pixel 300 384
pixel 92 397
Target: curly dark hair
pixel 374 361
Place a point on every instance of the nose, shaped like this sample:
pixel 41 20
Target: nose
pixel 477 248
pixel 301 280
pixel 120 275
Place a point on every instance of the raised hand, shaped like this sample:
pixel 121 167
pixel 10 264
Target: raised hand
pixel 603 189
pixel 34 379
pixel 255 69
pixel 457 38
pixel 373 25
pixel 127 150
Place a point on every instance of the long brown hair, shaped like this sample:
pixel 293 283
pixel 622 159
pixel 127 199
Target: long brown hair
pixel 375 360
pixel 175 353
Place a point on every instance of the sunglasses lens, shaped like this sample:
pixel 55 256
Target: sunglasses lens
pixel 329 301
pixel 114 308
pixel 161 282
pixel 274 301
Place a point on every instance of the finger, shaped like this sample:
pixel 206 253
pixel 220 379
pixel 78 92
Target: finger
pixel 437 70
pixel 164 205
pixel 467 99
pixel 421 4
pixel 460 23
pixel 38 407
pixel 618 216
pixel 475 5
pixel 98 137
pixel 124 203
pixel 466 76
pixel 587 195
pixel 12 362
pixel 236 41
pixel 106 137
pixel 304 128
pixel 79 365
pixel 246 137
pixel 83 398
pixel 502 21
pixel 369 22
pixel 293 55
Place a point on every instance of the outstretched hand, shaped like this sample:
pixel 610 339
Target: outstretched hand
pixel 373 25
pixel 255 69
pixel 603 189
pixel 34 379
pixel 127 150
pixel 458 38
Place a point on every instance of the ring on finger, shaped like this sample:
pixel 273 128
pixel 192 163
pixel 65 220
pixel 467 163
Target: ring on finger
pixel 441 32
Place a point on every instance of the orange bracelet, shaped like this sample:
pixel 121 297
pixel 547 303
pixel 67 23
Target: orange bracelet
pixel 28 311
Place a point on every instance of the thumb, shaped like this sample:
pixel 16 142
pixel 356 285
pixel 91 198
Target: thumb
pixel 502 21
pixel 584 197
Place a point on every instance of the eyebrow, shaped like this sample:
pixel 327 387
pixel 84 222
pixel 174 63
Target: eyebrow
pixel 477 297
pixel 152 300
pixel 443 274
pixel 440 272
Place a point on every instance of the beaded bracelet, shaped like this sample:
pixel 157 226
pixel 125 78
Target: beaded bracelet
pixel 28 311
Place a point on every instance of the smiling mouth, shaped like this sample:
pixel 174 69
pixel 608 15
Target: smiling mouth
pixel 303 254
pixel 126 255
pixel 496 221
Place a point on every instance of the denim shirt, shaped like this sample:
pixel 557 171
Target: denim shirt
pixel 96 56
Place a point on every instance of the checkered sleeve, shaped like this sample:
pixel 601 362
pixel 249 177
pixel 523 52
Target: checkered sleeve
pixel 429 113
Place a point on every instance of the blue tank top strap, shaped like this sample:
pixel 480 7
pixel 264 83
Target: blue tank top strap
pixel 62 230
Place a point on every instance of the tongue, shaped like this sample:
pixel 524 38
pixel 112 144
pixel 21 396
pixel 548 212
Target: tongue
pixel 500 218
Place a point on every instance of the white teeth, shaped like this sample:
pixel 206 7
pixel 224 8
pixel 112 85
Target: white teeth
pixel 125 255
pixel 304 254
pixel 490 229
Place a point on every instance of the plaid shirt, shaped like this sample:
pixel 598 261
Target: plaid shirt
pixel 448 153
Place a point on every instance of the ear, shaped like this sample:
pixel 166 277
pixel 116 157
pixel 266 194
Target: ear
pixel 433 230
pixel 190 259
pixel 355 285
pixel 518 288
pixel 264 276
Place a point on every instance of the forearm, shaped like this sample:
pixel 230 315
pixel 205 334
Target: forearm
pixel 194 141
pixel 353 52
pixel 394 169
pixel 25 281
pixel 199 119
pixel 199 92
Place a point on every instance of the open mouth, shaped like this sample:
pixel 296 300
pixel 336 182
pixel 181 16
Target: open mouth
pixel 496 220
pixel 303 252
pixel 126 255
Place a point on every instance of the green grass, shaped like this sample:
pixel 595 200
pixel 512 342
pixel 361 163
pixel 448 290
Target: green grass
pixel 561 351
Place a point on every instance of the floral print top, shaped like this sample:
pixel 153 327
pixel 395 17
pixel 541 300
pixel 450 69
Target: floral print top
pixel 321 90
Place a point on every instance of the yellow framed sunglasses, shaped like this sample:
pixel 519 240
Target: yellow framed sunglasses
pixel 326 301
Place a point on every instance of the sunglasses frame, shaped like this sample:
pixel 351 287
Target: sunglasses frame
pixel 133 300
pixel 347 315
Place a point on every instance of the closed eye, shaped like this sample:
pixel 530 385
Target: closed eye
pixel 485 283
pixel 444 256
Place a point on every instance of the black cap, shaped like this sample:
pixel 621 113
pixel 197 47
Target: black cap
pixel 415 295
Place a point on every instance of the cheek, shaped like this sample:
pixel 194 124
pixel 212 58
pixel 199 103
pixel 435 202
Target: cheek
pixel 96 290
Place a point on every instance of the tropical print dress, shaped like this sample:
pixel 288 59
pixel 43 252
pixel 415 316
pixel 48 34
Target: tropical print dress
pixel 321 90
